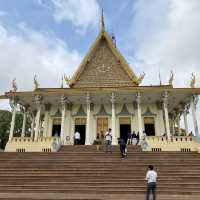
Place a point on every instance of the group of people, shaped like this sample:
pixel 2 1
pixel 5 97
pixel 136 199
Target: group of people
pixel 151 176
pixel 106 140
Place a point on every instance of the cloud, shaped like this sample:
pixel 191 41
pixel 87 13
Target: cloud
pixel 83 14
pixel 165 36
pixel 25 52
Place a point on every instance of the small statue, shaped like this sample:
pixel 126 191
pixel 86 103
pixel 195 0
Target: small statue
pixel 67 80
pixel 14 85
pixel 141 77
pixel 193 81
pixel 36 84
pixel 171 78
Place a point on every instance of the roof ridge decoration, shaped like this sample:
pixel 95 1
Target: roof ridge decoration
pixel 124 111
pixel 148 113
pixel 80 112
pixel 102 112
pixel 102 21
pixel 102 37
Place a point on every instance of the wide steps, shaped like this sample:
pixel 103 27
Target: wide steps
pixel 84 171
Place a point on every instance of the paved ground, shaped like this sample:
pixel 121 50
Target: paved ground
pixel 53 196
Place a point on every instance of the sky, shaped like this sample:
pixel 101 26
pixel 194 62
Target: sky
pixel 49 38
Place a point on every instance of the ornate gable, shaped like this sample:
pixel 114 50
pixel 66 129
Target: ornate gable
pixel 80 112
pixel 104 66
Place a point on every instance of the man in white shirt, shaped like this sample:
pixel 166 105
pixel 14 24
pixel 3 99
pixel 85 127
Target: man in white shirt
pixel 77 138
pixel 151 178
pixel 108 138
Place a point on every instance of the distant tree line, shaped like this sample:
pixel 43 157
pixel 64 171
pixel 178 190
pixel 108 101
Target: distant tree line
pixel 5 119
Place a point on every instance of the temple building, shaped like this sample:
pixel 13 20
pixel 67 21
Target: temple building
pixel 104 93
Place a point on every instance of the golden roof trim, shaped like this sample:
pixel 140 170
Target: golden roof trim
pixel 61 91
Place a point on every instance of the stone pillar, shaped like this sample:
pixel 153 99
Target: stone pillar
pixel 194 117
pixel 33 125
pixel 173 125
pixel 46 119
pixel 160 121
pixel 62 133
pixel 178 125
pixel 165 107
pixel 113 119
pixel 68 124
pixel 13 104
pixel 37 119
pixel 24 122
pixel 139 114
pixel 88 121
pixel 185 121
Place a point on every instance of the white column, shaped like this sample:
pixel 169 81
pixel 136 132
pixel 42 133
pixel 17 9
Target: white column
pixel 62 134
pixel 37 120
pixel 68 124
pixel 185 121
pixel 32 125
pixel 165 107
pixel 178 125
pixel 194 117
pixel 113 119
pixel 46 120
pixel 173 125
pixel 139 114
pixel 88 122
pixel 12 125
pixel 24 123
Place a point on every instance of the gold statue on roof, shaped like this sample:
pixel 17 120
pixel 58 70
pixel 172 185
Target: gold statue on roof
pixel 67 80
pixel 141 77
pixel 14 85
pixel 36 84
pixel 171 78
pixel 193 81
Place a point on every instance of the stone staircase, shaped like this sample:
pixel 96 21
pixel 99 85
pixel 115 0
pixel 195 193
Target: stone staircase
pixel 82 172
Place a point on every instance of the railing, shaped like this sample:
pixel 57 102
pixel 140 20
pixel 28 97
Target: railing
pixel 172 139
pixel 175 143
pixel 29 139
pixel 27 144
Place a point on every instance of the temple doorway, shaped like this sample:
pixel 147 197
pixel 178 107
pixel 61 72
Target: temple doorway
pixel 149 126
pixel 81 129
pixel 125 127
pixel 56 129
pixel 80 126
pixel 124 130
pixel 102 125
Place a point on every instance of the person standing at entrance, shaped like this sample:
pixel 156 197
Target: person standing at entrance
pixel 129 138
pixel 108 138
pixel 151 178
pixel 77 138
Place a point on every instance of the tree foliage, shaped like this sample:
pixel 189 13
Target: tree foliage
pixel 5 119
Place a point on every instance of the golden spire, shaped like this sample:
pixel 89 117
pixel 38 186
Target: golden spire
pixel 102 21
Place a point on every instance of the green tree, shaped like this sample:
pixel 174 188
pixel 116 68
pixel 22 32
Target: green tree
pixel 5 119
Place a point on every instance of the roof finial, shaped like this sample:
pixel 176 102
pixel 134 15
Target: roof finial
pixel 102 21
